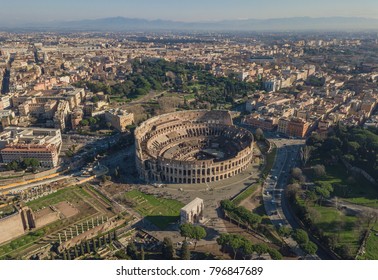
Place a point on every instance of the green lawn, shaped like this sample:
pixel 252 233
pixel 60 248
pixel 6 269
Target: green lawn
pixel 159 211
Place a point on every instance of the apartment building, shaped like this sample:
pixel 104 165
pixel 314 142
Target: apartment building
pixel 43 144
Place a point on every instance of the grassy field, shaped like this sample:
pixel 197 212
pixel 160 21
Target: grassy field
pixel 344 228
pixel 358 191
pixel 159 211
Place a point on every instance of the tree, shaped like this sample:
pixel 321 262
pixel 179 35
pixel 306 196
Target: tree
pixel 353 147
pixel 259 134
pixel 185 253
pixel 274 254
pixel 84 122
pixel 324 190
pixel 296 173
pixel 198 234
pixel 247 249
pixel 236 242
pixel 301 236
pixel 95 99
pixel 167 249
pixel 319 170
pixel 310 248
pixel 260 249
pixel 223 240
pixel 186 230
pixel 13 165
pixel 292 190
pixel 284 231
pixel 131 251
pixel 310 196
pixel 92 121
pixel 227 205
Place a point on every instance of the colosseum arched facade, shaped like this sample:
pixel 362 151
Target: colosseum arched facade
pixel 191 147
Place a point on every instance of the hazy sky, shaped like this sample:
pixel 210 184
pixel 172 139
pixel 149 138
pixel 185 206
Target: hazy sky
pixel 17 11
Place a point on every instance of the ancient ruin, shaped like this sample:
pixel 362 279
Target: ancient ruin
pixel 191 147
pixel 192 212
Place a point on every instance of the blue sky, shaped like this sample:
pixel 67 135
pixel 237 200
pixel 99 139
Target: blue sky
pixel 14 11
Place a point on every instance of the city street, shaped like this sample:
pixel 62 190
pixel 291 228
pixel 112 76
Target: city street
pixel 274 186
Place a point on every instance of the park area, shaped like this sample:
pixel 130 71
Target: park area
pixel 343 229
pixel 354 189
pixel 159 211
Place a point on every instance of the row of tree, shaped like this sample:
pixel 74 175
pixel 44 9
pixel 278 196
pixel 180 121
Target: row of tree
pixel 24 164
pixel 244 247
pixel 240 214
pixel 304 242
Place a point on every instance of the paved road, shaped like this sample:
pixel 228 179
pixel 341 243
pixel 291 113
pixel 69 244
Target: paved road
pixel 275 202
pixel 274 187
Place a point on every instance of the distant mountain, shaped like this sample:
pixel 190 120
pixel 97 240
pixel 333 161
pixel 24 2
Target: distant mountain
pixel 278 24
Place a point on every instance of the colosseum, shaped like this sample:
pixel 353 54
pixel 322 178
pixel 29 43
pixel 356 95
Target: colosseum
pixel 191 147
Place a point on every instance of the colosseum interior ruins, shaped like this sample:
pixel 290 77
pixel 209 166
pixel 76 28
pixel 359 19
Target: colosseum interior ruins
pixel 191 147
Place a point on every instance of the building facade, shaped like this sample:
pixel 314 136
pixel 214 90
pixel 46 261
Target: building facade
pixel 39 143
pixel 119 119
